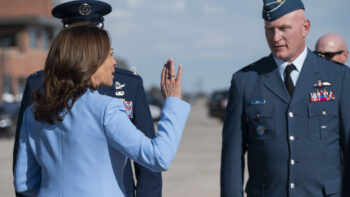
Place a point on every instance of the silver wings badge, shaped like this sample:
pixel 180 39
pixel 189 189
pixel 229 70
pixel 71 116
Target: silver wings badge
pixel 118 86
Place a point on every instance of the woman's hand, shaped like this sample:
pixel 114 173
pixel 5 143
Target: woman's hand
pixel 171 84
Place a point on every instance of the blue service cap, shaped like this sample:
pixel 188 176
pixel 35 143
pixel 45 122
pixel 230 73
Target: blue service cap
pixel 82 10
pixel 274 9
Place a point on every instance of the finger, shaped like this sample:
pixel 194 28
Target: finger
pixel 163 76
pixel 172 70
pixel 167 69
pixel 164 80
pixel 179 75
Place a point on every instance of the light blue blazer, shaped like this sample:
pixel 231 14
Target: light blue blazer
pixel 85 154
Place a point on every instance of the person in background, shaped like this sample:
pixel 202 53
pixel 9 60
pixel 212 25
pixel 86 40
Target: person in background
pixel 127 86
pixel 75 141
pixel 332 47
pixel 290 113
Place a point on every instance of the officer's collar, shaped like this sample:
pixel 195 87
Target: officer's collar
pixel 298 62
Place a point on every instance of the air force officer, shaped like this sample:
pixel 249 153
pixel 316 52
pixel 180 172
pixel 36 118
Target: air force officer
pixel 290 112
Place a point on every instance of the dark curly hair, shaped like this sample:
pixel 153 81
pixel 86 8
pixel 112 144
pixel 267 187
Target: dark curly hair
pixel 75 55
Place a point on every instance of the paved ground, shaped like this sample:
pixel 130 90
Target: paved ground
pixel 6 178
pixel 194 172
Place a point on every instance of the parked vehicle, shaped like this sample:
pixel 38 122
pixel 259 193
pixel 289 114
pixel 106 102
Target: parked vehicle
pixel 155 106
pixel 217 104
pixel 8 118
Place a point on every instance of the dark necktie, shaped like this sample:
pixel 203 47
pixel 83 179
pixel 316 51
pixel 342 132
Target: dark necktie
pixel 288 79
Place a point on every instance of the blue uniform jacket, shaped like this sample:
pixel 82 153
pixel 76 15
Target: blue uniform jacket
pixel 294 144
pixel 128 86
pixel 85 154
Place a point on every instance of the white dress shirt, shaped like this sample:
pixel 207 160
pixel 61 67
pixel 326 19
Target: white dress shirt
pixel 298 63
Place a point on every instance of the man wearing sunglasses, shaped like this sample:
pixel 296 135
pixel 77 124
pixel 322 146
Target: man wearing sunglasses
pixel 332 47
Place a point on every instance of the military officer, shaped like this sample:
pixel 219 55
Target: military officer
pixel 332 47
pixel 127 86
pixel 290 112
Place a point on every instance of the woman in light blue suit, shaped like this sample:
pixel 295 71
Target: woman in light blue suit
pixel 74 141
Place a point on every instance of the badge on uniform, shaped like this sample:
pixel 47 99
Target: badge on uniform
pixel 128 107
pixel 260 130
pixel 322 95
pixel 118 86
pixel 321 84
pixel 257 102
pixel 119 93
pixel 85 9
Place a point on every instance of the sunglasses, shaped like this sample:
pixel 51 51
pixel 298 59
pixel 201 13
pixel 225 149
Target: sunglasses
pixel 328 55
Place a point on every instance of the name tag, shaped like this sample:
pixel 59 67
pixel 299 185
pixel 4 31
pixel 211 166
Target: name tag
pixel 257 102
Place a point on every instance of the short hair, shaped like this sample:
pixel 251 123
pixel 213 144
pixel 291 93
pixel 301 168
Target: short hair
pixel 74 56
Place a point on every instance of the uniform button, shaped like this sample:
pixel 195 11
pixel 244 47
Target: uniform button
pixel 292 185
pixel 324 113
pixel 292 138
pixel 291 114
pixel 292 162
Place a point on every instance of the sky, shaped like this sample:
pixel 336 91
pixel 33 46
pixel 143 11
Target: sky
pixel 212 39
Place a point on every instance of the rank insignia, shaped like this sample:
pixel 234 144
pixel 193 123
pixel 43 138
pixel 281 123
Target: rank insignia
pixel 119 93
pixel 128 107
pixel 118 86
pixel 321 84
pixel 322 95
pixel 260 130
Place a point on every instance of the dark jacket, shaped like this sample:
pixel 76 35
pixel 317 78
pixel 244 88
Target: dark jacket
pixel 293 144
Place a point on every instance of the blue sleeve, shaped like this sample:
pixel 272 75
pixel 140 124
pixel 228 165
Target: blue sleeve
pixel 345 132
pixel 27 173
pixel 155 154
pixel 233 145
pixel 26 101
pixel 149 184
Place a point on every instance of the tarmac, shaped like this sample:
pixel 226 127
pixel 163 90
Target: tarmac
pixel 6 178
pixel 194 172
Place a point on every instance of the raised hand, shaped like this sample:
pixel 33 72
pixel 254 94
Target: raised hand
pixel 171 84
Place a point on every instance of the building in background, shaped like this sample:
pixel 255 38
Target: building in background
pixel 26 31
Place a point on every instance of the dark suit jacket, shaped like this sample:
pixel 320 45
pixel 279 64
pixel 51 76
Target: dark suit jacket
pixel 128 86
pixel 293 144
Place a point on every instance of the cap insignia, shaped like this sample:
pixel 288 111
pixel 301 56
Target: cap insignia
pixel 85 9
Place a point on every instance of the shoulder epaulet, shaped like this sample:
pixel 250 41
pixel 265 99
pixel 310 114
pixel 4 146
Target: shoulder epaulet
pixel 337 63
pixel 126 72
pixel 327 60
pixel 259 61
pixel 330 61
pixel 36 74
pixel 255 63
